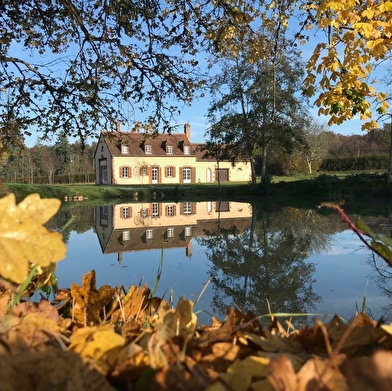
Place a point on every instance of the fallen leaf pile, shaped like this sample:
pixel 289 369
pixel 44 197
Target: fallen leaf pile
pixel 106 339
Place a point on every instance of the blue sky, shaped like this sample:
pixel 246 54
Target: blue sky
pixel 196 116
pixel 196 113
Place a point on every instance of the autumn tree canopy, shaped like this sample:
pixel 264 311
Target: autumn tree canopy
pixel 79 65
pixel 75 65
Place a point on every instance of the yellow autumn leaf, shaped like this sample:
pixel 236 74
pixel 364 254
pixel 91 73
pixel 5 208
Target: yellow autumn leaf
pixel 96 342
pixel 366 29
pixel 23 238
pixel 386 6
pixel 368 13
pixel 387 328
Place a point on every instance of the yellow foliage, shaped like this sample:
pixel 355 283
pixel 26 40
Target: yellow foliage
pixel 359 34
pixel 23 237
pixel 386 6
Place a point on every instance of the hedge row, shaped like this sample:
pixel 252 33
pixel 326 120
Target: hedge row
pixel 360 163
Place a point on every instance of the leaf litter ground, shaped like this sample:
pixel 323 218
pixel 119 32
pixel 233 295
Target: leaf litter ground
pixel 104 339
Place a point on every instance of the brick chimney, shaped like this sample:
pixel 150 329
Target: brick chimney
pixel 187 130
pixel 188 250
pixel 118 126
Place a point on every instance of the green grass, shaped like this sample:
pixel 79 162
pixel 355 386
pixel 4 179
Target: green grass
pixel 300 190
pixel 94 194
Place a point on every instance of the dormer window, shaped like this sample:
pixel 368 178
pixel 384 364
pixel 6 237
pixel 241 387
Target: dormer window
pixel 169 149
pixel 148 149
pixel 187 150
pixel 124 149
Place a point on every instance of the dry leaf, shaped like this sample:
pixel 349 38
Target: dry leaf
pixel 369 373
pixel 225 350
pixel 4 301
pixel 387 328
pixel 50 370
pixel 133 304
pixel 99 343
pixel 23 237
pixel 182 320
pixel 319 374
pixel 89 302
pixel 281 375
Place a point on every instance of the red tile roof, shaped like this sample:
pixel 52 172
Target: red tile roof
pixel 136 142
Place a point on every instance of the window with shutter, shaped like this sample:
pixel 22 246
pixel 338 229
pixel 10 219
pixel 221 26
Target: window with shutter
pixel 126 212
pixel 169 172
pixel 125 172
pixel 187 208
pixel 170 210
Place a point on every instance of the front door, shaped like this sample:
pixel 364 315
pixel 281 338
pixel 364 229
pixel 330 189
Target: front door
pixel 187 175
pixel 154 174
pixel 103 172
pixel 222 175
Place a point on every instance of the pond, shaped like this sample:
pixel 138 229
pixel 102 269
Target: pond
pixel 291 260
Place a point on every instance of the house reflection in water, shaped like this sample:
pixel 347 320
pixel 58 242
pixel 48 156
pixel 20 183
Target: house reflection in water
pixel 150 226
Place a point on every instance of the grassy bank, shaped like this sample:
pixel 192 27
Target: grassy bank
pixel 93 194
pixel 352 189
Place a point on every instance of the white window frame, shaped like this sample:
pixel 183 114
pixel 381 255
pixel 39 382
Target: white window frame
pixel 125 172
pixel 124 149
pixel 187 150
pixel 169 149
pixel 187 174
pixel 149 234
pixel 187 208
pixel 170 232
pixel 125 212
pixel 188 231
pixel 126 235
pixel 148 149
pixel 155 209
pixel 169 172
pixel 170 210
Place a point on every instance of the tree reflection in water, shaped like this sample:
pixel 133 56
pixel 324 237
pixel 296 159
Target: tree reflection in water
pixel 267 262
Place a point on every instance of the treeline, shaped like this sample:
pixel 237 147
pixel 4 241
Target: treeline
pixel 62 162
pixel 336 152
pixel 369 151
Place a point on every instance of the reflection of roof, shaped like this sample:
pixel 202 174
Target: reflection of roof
pixel 138 240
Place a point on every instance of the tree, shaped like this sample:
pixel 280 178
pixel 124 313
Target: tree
pixel 79 62
pixel 11 140
pixel 266 262
pixel 63 152
pixel 80 65
pixel 47 161
pixel 255 104
pixel 316 147
pixel 358 35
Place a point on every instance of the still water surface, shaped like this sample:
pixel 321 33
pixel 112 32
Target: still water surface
pixel 299 260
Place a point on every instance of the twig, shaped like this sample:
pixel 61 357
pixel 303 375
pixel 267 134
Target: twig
pixel 356 230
